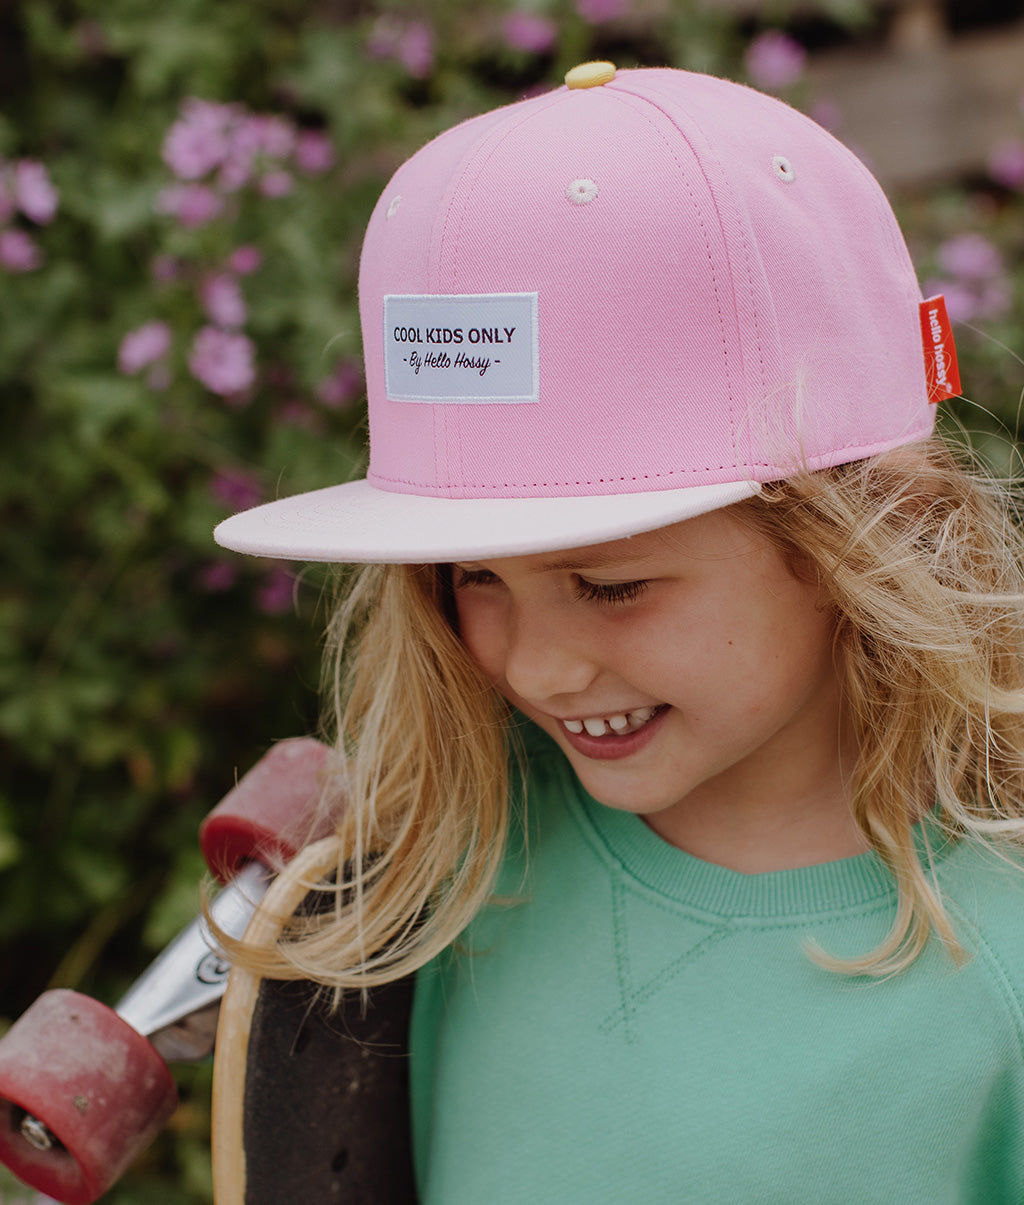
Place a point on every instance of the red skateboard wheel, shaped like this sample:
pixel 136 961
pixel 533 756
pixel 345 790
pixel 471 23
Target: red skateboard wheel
pixel 75 1076
pixel 270 815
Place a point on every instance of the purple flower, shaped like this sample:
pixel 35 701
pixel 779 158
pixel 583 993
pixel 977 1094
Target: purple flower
pixel 192 204
pixel 970 257
pixel 199 140
pixel 143 346
pixel 222 300
pixel 1006 164
pixel 314 153
pixel 235 489
pixel 410 42
pixel 774 60
pixel 223 361
pixel 18 252
pixel 277 591
pixel 528 31
pixel 596 12
pixel 36 196
pixel 276 184
pixel 244 260
pixel 343 385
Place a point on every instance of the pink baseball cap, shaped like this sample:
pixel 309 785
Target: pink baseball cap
pixel 601 310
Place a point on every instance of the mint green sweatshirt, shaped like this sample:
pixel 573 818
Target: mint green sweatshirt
pixel 647 1027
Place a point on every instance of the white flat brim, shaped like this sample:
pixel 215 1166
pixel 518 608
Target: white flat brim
pixel 356 522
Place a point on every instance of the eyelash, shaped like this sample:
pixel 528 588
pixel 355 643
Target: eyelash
pixel 610 592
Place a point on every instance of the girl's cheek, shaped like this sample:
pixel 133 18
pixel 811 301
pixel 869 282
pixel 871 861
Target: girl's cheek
pixel 479 631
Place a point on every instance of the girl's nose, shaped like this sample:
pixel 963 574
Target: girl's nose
pixel 544 660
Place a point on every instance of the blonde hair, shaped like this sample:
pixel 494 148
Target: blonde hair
pixel 922 565
pixel 420 788
pixel 922 561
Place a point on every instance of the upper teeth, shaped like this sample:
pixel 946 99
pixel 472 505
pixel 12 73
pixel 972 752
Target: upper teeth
pixel 601 725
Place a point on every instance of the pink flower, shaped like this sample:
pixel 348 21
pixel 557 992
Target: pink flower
pixel 223 361
pixel 258 138
pixel 164 268
pixel 970 257
pixel 236 171
pixel 972 301
pixel 826 112
pixel 1006 164
pixel 8 207
pixel 199 140
pixel 244 260
pixel 217 576
pixel 18 252
pixel 222 300
pixel 314 153
pixel 143 346
pixel 159 377
pixel 597 12
pixel 276 184
pixel 192 204
pixel 410 42
pixel 36 196
pixel 92 39
pixel 277 592
pixel 343 385
pixel 529 31
pixel 976 286
pixel 995 298
pixel 267 135
pixel 296 413
pixel 774 60
pixel 235 489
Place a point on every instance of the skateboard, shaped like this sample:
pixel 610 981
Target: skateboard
pixel 85 1088
pixel 309 1104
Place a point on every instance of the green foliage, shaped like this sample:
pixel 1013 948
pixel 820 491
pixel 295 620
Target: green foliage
pixel 139 665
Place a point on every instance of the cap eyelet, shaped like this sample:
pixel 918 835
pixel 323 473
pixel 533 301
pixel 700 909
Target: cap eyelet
pixel 581 191
pixel 782 167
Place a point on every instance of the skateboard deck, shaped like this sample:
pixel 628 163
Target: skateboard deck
pixel 309 1105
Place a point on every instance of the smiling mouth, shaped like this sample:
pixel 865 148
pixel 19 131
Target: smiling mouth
pixel 620 724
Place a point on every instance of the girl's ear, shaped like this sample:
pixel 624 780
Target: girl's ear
pixel 806 570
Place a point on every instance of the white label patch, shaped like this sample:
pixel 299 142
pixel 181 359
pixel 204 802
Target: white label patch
pixel 464 348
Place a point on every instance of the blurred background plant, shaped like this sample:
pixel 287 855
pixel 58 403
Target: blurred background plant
pixel 183 189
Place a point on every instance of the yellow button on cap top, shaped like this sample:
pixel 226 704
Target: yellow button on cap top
pixel 590 75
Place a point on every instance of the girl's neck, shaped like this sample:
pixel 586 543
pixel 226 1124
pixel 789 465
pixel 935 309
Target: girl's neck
pixel 794 814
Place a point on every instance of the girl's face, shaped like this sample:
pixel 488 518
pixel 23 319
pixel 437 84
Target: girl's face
pixel 687 675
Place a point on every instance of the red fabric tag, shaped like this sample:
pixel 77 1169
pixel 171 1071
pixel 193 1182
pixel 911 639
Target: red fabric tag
pixel 940 366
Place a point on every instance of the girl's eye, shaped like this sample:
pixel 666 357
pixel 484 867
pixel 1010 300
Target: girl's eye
pixel 611 592
pixel 472 577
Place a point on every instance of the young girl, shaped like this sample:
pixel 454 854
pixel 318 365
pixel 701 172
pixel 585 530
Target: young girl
pixel 682 695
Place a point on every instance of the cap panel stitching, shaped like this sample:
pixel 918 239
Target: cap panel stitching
pixel 630 98
pixel 727 184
